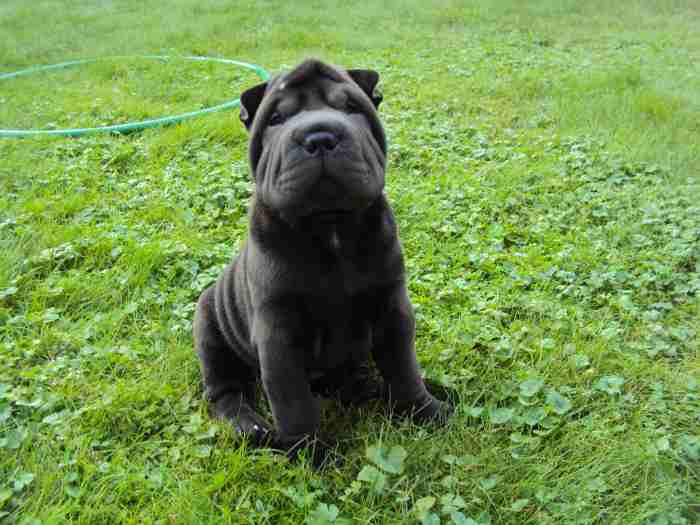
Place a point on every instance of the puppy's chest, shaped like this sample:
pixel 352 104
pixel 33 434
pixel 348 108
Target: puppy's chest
pixel 343 270
pixel 339 332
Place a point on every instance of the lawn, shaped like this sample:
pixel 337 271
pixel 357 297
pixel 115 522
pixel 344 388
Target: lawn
pixel 545 171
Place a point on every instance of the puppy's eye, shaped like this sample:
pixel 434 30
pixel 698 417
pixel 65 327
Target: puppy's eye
pixel 352 107
pixel 276 119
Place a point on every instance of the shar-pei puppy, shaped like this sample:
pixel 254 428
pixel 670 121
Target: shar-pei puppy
pixel 317 295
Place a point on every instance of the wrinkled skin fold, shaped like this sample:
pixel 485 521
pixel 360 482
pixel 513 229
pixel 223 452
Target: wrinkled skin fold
pixel 317 297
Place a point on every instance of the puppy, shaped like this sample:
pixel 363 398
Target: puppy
pixel 318 290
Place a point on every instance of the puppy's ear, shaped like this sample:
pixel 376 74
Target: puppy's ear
pixel 250 101
pixel 367 80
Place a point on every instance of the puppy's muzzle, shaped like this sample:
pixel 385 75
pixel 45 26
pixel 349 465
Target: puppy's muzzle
pixel 320 133
pixel 319 143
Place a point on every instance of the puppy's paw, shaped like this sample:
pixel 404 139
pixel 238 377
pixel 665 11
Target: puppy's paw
pixel 426 410
pixel 244 419
pixel 432 411
pixel 319 453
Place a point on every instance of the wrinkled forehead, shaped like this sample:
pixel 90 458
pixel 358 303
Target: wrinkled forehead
pixel 310 72
pixel 311 81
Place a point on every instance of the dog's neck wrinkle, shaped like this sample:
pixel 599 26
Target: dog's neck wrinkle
pixel 269 223
pixel 337 241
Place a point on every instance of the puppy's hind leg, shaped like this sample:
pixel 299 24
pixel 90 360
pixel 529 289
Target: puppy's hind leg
pixel 229 382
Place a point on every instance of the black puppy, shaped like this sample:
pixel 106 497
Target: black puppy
pixel 319 286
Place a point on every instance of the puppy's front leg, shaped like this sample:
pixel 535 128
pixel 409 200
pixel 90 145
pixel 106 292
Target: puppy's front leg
pixel 279 341
pixel 395 356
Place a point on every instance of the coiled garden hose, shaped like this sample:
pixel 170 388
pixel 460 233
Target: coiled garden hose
pixel 129 126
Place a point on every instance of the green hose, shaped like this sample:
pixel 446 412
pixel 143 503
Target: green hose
pixel 129 126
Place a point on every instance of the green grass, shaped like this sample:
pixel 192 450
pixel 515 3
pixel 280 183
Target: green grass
pixel 544 170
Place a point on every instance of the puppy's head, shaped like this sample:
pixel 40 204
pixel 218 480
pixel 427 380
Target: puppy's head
pixel 317 147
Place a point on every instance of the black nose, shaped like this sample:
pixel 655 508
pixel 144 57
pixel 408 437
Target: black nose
pixel 319 142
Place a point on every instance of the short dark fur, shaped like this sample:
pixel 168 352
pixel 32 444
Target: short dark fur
pixel 319 286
